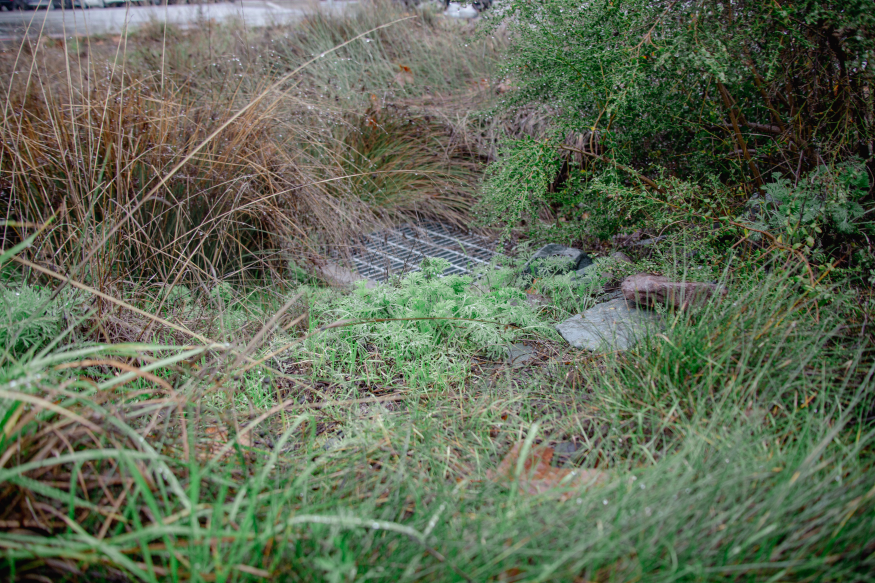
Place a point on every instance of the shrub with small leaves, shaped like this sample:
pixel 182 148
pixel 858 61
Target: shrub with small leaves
pixel 518 186
pixel 648 93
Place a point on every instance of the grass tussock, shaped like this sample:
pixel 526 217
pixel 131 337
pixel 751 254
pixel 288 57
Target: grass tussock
pixel 139 152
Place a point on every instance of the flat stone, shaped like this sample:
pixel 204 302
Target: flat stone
pixel 613 325
pixel 339 276
pixel 520 354
pixel 575 259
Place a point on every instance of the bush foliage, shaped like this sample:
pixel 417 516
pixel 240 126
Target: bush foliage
pixel 705 92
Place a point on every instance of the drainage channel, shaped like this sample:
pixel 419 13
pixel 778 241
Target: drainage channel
pixel 401 250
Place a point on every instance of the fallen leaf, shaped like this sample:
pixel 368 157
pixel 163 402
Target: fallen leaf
pixel 376 104
pixel 404 76
pixel 539 476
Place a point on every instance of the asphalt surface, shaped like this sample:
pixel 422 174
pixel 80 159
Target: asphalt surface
pixel 114 20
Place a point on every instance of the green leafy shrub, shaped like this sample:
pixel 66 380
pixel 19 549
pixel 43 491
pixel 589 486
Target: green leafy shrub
pixel 690 92
pixel 826 201
pixel 515 188
pixel 680 86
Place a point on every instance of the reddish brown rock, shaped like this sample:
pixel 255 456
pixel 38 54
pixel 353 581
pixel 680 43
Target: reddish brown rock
pixel 644 288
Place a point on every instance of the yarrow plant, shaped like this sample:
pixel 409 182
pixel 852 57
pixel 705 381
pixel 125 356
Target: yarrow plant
pixel 427 319
pixel 30 317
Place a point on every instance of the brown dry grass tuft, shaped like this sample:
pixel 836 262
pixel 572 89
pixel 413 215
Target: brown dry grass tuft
pixel 88 129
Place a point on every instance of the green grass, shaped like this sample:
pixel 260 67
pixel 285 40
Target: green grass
pixel 738 444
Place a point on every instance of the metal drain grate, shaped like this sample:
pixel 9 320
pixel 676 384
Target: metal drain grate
pixel 401 250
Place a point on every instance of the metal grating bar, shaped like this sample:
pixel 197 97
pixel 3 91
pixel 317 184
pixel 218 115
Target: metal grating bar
pixel 443 250
pixel 401 250
pixel 470 243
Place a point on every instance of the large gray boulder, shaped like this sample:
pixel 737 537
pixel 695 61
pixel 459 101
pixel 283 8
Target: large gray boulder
pixel 613 325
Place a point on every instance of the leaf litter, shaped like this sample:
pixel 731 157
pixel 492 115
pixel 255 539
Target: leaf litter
pixel 539 477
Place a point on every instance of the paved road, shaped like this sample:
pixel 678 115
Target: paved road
pixel 114 20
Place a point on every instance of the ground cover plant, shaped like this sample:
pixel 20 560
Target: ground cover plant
pixel 181 399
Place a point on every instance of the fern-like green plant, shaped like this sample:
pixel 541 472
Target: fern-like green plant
pixel 424 320
pixel 28 319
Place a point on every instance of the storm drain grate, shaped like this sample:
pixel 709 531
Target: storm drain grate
pixel 401 250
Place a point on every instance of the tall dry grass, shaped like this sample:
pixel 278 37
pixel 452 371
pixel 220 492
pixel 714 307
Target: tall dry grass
pixel 91 127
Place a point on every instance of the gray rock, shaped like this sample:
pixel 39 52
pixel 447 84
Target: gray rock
pixel 565 448
pixel 576 259
pixel 583 261
pixel 613 325
pixel 520 354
